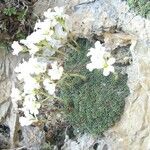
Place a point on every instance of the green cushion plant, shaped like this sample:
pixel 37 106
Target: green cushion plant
pixel 93 102
pixel 142 7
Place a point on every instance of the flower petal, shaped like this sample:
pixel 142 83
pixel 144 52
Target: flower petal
pixel 97 45
pixel 106 72
pixel 111 61
pixel 111 68
pixel 107 55
pixel 91 51
pixel 90 67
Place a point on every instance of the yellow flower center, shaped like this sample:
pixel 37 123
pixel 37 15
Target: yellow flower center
pixel 105 65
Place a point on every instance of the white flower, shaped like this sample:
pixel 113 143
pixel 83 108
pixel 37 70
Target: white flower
pixel 30 105
pixel 58 12
pixel 46 26
pixel 33 66
pixel 26 121
pixel 58 17
pixel 108 67
pixel 56 72
pixel 52 31
pixel 16 48
pixel 98 51
pixel 37 66
pixel 30 84
pixel 32 47
pixel 97 57
pixel 35 37
pixel 15 94
pixel 49 14
pixel 60 33
pixel 49 86
pixel 30 109
pixel 100 59
pixel 96 64
pixel 53 42
pixel 23 69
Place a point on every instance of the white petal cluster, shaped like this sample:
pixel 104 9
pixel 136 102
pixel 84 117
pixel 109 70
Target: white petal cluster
pixel 17 48
pixel 37 78
pixel 15 94
pixel 49 86
pixel 54 29
pixel 30 109
pixel 56 72
pixel 30 85
pixel 26 121
pixel 30 105
pixel 100 59
pixel 30 67
pixel 59 12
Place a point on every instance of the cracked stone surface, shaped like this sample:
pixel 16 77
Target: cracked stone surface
pixel 33 137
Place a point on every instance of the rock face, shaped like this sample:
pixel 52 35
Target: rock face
pixel 33 138
pixel 8 115
pixel 5 84
pixel 84 142
pixel 98 16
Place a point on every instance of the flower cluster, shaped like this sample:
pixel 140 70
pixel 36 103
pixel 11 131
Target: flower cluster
pixel 100 59
pixel 40 73
pixel 52 31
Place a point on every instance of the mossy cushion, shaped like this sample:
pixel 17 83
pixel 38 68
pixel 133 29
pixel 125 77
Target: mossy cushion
pixel 95 103
pixel 142 7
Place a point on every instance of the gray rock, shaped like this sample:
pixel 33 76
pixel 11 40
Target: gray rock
pixel 4 110
pixel 4 137
pixel 33 137
pixel 4 142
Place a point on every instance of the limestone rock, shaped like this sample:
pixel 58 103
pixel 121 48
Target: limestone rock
pixel 43 5
pixel 4 142
pixel 5 90
pixel 4 110
pixel 33 137
pixel 83 142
